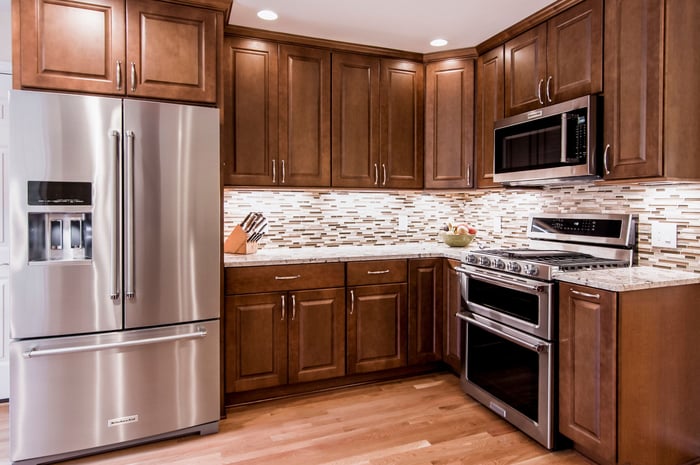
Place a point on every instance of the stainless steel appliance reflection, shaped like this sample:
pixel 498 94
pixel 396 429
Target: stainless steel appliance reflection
pixel 511 304
pixel 114 285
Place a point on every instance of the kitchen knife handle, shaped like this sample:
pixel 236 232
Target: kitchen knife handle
pixel 274 171
pixel 294 307
pixel 133 76
pixel 549 99
pixel 284 307
pixel 116 271
pixel 283 173
pixel 352 301
pixel 129 217
pixel 539 92
pixel 376 175
pixel 119 75
pixel 384 173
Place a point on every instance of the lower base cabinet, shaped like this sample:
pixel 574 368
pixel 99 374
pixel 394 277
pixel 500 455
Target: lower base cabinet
pixel 453 327
pixel 629 374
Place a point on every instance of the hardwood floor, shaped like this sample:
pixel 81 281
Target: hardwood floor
pixel 425 420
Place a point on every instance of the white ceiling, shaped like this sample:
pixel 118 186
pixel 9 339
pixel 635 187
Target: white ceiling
pixel 407 25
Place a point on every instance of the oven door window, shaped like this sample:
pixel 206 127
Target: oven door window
pixel 504 369
pixel 518 304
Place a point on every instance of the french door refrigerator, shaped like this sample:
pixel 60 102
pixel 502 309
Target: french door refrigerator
pixel 114 273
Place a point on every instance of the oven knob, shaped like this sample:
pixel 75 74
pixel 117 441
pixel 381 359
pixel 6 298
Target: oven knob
pixel 514 267
pixel 530 270
pixel 472 259
pixel 500 264
pixel 485 261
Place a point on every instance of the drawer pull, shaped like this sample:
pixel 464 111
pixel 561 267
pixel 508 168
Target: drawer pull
pixel 378 272
pixel 284 308
pixel 352 302
pixel 585 294
pixel 284 278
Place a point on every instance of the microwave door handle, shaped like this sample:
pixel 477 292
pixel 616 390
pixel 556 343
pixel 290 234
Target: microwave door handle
pixel 564 122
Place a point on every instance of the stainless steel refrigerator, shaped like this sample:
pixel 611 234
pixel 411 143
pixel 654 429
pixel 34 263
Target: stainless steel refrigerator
pixel 114 273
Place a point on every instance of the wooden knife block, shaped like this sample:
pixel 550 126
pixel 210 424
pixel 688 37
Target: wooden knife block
pixel 237 242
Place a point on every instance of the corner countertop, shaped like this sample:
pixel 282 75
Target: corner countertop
pixel 629 279
pixel 281 256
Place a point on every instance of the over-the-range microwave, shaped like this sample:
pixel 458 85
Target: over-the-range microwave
pixel 552 145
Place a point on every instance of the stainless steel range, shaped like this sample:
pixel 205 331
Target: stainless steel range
pixel 510 301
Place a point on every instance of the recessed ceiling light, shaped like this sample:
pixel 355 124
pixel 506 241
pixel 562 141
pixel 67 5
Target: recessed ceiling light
pixel 267 15
pixel 438 42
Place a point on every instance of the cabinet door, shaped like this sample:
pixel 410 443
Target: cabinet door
pixel 355 121
pixel 587 370
pixel 256 341
pixel 449 124
pixel 526 70
pixel 453 328
pixel 304 117
pixel 575 52
pixel 71 45
pixel 376 328
pixel 489 109
pixel 171 51
pixel 425 310
pixel 249 138
pixel 401 114
pixel 634 44
pixel 316 334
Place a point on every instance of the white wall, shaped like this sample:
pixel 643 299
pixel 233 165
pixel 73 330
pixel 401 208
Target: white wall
pixel 5 31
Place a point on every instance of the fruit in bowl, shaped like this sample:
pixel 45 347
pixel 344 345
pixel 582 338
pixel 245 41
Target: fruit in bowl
pixel 457 235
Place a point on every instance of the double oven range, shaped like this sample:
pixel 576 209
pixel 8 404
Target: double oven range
pixel 510 306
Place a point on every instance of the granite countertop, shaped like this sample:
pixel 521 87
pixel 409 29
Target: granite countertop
pixel 629 279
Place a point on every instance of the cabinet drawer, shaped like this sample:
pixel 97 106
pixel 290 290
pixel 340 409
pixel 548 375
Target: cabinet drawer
pixel 377 272
pixel 272 278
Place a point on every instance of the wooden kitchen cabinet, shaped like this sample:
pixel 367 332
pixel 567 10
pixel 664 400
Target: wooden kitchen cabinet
pixel 137 48
pixel 556 61
pixel 628 373
pixel 490 90
pixel 292 335
pixel 377 107
pixel 651 96
pixel 376 315
pixel 449 124
pixel 453 329
pixel 425 310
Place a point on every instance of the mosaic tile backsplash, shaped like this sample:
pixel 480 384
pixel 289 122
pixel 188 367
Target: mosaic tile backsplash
pixel 327 218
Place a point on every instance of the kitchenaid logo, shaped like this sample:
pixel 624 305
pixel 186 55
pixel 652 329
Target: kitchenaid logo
pixel 122 420
pixel 534 114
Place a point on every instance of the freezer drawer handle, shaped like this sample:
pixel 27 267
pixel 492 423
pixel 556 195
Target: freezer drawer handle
pixel 32 353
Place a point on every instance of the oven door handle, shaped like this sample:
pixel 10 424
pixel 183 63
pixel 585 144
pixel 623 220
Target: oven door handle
pixel 539 348
pixel 502 281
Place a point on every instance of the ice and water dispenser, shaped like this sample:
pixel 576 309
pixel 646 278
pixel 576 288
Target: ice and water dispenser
pixel 59 221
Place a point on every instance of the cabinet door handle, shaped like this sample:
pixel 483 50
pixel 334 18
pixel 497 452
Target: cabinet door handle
pixel 274 171
pixel 352 301
pixel 585 294
pixel 377 272
pixel 294 306
pixel 469 174
pixel 605 159
pixel 283 171
pixel 284 278
pixel 549 99
pixel 284 307
pixel 133 76
pixel 119 75
pixel 539 92
pixel 384 172
pixel 376 175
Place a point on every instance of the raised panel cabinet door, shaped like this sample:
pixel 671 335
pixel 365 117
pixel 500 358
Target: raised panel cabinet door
pixel 256 341
pixel 304 116
pixel 453 328
pixel 71 45
pixel 316 334
pixel 526 70
pixel 401 124
pixel 355 121
pixel 425 310
pixel 376 328
pixel 449 124
pixel 489 109
pixel 249 135
pixel 588 370
pixel 172 51
pixel 634 82
pixel 575 52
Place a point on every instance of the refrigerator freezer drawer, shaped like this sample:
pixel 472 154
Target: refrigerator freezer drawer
pixel 83 392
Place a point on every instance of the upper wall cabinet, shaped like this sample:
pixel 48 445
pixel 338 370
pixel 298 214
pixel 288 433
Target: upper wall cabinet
pixel 449 123
pixel 377 122
pixel 651 89
pixel 137 48
pixel 489 109
pixel 555 61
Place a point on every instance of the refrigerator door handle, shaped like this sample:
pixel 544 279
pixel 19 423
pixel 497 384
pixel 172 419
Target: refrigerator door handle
pixel 129 218
pixel 33 353
pixel 114 252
